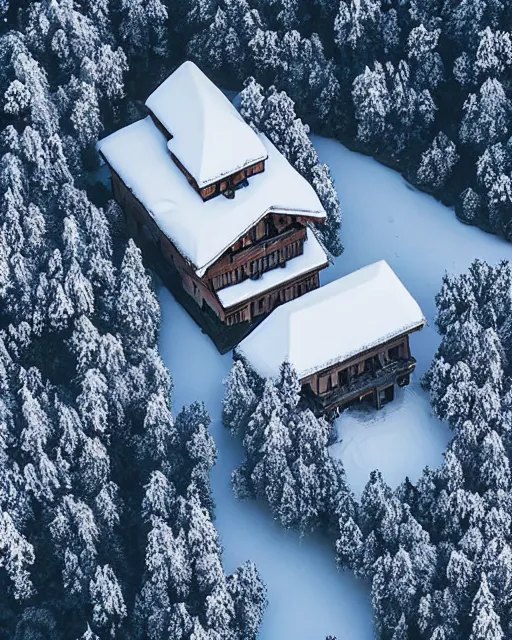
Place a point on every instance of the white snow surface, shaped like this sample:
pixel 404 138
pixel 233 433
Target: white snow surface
pixel 384 218
pixel 333 323
pixel 211 139
pixel 313 257
pixel 308 597
pixel 202 231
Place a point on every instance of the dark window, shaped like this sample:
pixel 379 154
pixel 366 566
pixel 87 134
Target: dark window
pixel 342 377
pixel 394 352
pixel 261 303
pixel 238 177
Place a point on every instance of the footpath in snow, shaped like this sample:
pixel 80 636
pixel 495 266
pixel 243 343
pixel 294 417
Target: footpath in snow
pixel 383 218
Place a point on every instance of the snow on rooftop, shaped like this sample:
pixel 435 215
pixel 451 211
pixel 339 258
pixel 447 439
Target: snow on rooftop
pixel 210 137
pixel 331 324
pixel 202 231
pixel 313 257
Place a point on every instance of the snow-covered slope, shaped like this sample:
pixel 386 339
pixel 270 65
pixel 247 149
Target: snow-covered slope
pixel 386 219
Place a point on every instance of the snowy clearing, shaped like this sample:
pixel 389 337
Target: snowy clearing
pixel 385 218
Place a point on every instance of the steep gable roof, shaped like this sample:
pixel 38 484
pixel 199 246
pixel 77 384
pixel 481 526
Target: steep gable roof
pixel 334 323
pixel 203 231
pixel 210 138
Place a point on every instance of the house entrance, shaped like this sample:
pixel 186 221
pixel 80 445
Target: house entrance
pixel 385 395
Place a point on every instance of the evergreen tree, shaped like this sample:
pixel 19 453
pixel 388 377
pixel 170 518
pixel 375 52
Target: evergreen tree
pixel 239 400
pixel 437 162
pixel 486 623
pixel 137 312
pixel 486 115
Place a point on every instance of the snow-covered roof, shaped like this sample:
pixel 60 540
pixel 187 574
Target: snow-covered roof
pixel 210 138
pixel 313 257
pixel 334 323
pixel 202 231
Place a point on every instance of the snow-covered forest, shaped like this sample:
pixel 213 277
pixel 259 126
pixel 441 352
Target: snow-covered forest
pixel 437 553
pixel 105 502
pixel 106 509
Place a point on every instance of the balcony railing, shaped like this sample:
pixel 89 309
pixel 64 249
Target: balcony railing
pixel 362 384
pixel 261 249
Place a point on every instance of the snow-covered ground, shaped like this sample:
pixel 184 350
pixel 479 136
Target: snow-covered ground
pixel 308 597
pixel 383 218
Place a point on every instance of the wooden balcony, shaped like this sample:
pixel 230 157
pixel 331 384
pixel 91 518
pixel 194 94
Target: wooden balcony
pixel 361 385
pixel 265 247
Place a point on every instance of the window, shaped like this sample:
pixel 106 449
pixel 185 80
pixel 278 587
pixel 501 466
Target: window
pixel 238 177
pixel 260 230
pixel 395 352
pixel 342 378
pixel 261 304
pixel 208 191
pixel 223 186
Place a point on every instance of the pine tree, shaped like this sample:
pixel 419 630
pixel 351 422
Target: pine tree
pixel 486 115
pixel 486 623
pixel 289 386
pixel 372 103
pixel 349 544
pixel 239 400
pixel 426 63
pixel 137 311
pixel 494 468
pixel 249 598
pixel 437 162
pixel 109 608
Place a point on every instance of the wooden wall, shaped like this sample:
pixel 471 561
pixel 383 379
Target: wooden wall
pixel 153 241
pixel 141 226
pixel 272 298
pixel 227 183
pixel 254 260
pixel 326 380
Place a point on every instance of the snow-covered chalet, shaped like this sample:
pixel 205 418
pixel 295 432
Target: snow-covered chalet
pixel 348 340
pixel 222 216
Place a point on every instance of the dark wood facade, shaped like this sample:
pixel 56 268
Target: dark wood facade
pixel 268 245
pixel 370 376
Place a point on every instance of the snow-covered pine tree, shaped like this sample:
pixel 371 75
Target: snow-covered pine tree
pixel 437 162
pixel 239 400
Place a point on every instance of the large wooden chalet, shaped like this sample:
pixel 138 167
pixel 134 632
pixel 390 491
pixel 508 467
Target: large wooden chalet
pixel 220 213
pixel 348 341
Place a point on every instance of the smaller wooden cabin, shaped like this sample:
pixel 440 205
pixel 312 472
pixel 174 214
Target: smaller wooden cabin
pixel 348 341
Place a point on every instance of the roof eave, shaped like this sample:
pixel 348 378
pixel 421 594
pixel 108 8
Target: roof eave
pixel 244 302
pixel 345 358
pixel 200 271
